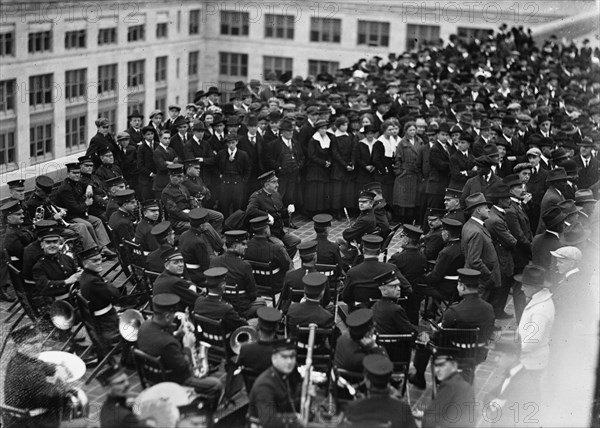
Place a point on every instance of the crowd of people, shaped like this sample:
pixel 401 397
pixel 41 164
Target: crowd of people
pixel 481 152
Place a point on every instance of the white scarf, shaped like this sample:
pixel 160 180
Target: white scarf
pixel 323 141
pixel 389 145
pixel 339 133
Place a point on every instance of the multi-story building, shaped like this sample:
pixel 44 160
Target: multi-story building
pixel 63 64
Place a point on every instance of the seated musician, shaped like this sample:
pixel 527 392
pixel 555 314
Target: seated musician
pixel 309 310
pixel 113 185
pixel 471 312
pixel 388 315
pixel 381 209
pixel 275 395
pixel 171 280
pixel 363 225
pixel 165 237
pixel 212 305
pixel 157 337
pixel 31 384
pixel 194 249
pixel 116 412
pixel 357 342
pixel 328 253
pixel 98 208
pixel 121 221
pixel 176 199
pixel 380 405
pixel 257 355
pixel 432 241
pixel 239 274
pixel 199 192
pixel 293 278
pixel 150 216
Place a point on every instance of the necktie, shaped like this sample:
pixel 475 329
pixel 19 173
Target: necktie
pixel 585 163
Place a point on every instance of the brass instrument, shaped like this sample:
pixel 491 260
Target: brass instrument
pixel 40 213
pixel 243 334
pixel 305 397
pixel 129 324
pixel 76 405
pixel 62 315
pixel 199 353
pixel 196 200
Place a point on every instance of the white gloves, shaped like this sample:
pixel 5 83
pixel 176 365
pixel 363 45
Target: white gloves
pixel 291 208
pixel 271 219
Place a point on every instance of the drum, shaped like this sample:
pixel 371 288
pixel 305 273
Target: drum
pixel 69 367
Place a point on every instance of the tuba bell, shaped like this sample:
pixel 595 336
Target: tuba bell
pixel 62 315
pixel 243 334
pixel 129 324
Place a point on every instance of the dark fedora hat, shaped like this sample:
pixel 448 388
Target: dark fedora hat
pixel 533 275
pixel 557 174
pixel 559 154
pixel 498 190
pixel 575 234
pixel 553 216
pixel 475 200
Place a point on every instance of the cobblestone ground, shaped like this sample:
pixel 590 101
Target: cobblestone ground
pixel 487 376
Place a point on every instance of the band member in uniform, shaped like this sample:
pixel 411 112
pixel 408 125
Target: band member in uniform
pixel 275 395
pixel 176 199
pixel 432 241
pixel 211 238
pixel 171 280
pixel 108 169
pixel 16 189
pixel 75 199
pixel 150 216
pixel 200 193
pixel 381 209
pixel 121 220
pixel 388 315
pixel 114 185
pixel 32 384
pixel 268 202
pixel 98 208
pixel 17 237
pixel 452 205
pixel 156 337
pixel 328 252
pixel 212 305
pixel 239 275
pixel 194 250
pixel 379 406
pixel 116 412
pixel 364 225
pixel 33 252
pixel 358 342
pixel 165 237
pixel 257 355
pixel 309 310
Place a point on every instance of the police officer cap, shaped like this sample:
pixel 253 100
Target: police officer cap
pixel 413 232
pixel 366 195
pixel 39 225
pixel 85 159
pixel 435 212
pixel 267 176
pixel 123 196
pixel 215 276
pixel 191 162
pixel 522 166
pixel 451 224
pixel 175 168
pixel 165 302
pixel 89 253
pixel 49 232
pixel 171 254
pixel 104 151
pixel 284 344
pixel 11 207
pixel 16 184
pixel 25 334
pixel 110 373
pixel 161 229
pixel 360 321
pixel 232 236
pixel 198 215
pixel 307 247
pixel 452 193
pixel 372 242
pixel 149 203
pixel 441 355
pixel 260 222
pixel 314 283
pixel 322 220
pixel 386 278
pixel 115 181
pixel 73 166
pixel 379 369
pixel 373 186
pixel 469 277
pixel 268 318
pixel 44 182
pixel 123 135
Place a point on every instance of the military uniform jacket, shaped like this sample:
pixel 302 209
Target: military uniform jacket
pixel 391 318
pixel 328 253
pixel 239 273
pixel 349 354
pixel 168 282
pixel 111 207
pixel 456 215
pixel 176 199
pixel 453 392
pixel 364 225
pixel 480 253
pixel 381 210
pixel 471 312
pixel 154 261
pixel 71 196
pixel 16 239
pixel 361 276
pixel 99 142
pixel 293 281
pixel 159 341
pixel 256 355
pixel 196 187
pixel 194 252
pixel 310 311
pixel 263 203
pixel 26 387
pixel 116 414
pixel 260 249
pixel 215 308
pixel 433 243
pixel 503 240
pixel 50 272
pixel 122 226
pixel 449 260
pixel 380 407
pixel 108 171
pixel 31 254
pixel 100 294
pixel 100 195
pixel 143 236
pixel 275 398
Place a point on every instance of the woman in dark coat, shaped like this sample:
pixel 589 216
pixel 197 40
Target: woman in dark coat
pixel 369 158
pixel 406 185
pixel 343 173
pixel 389 142
pixel 317 197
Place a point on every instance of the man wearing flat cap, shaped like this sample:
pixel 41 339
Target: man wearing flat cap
pixel 309 310
pixel 128 162
pixel 102 140
pixel 380 406
pixel 275 395
pixel 156 337
pixel 171 280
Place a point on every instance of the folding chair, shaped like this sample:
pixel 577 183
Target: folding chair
pixel 322 356
pixel 120 266
pixel 264 276
pixel 398 348
pixel 150 369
